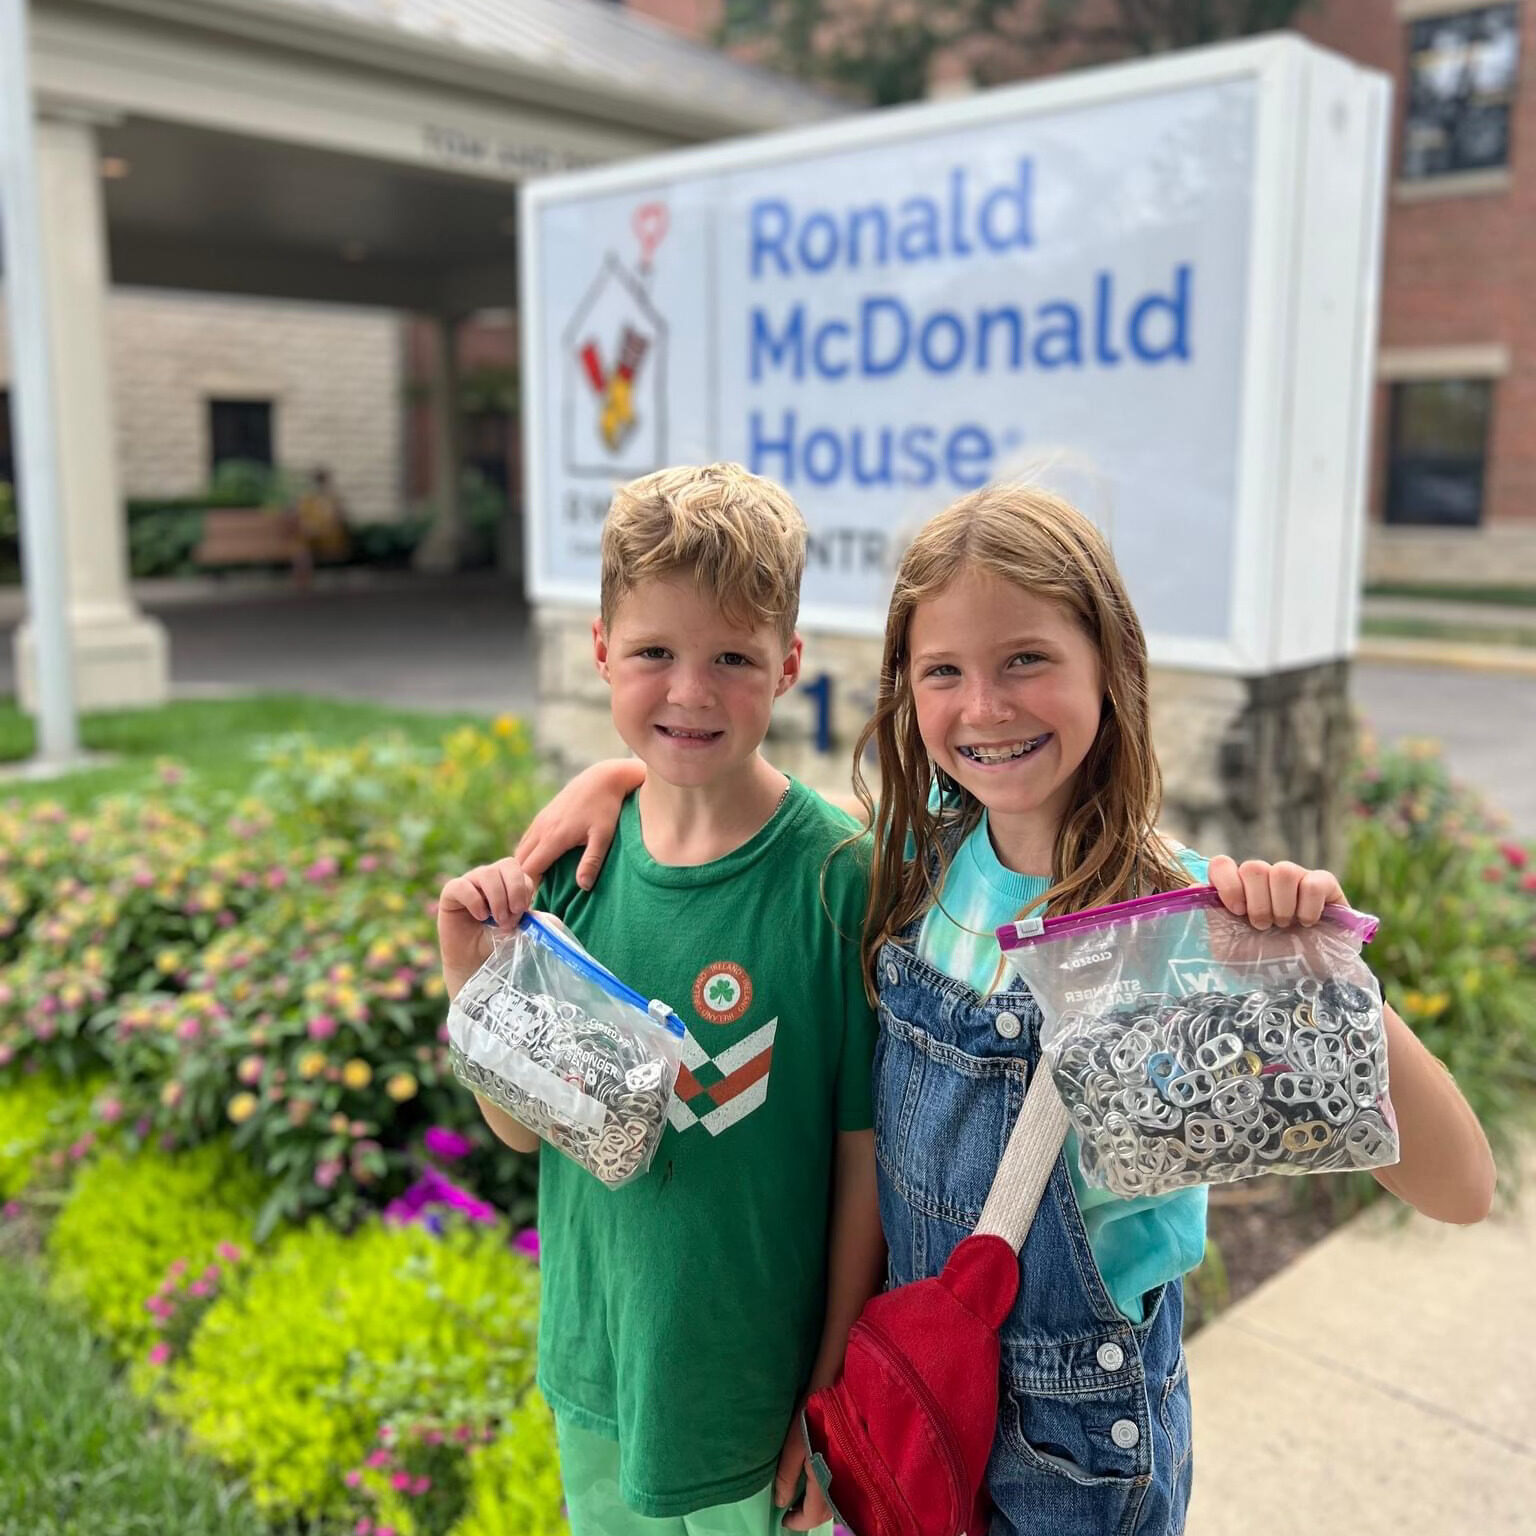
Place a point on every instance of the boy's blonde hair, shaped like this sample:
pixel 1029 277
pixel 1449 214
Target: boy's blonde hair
pixel 740 537
pixel 1107 848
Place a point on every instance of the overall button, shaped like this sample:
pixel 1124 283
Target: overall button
pixel 1124 1433
pixel 892 975
pixel 1008 1026
pixel 1111 1358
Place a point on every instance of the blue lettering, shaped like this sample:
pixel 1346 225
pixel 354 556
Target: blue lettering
pixel 870 365
pixel 942 320
pixel 832 467
pixel 1017 202
pixel 880 474
pixel 790 344
pixel 1060 343
pixel 811 258
pixel 769 241
pixel 877 217
pixel 969 457
pixel 957 241
pixel 1104 303
pixel 985 322
pixel 760 447
pixel 818 349
pixel 916 444
pixel 918 238
pixel 1177 310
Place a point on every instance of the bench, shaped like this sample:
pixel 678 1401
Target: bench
pixel 253 536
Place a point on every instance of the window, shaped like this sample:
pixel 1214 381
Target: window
pixel 7 453
pixel 240 429
pixel 1462 75
pixel 1439 446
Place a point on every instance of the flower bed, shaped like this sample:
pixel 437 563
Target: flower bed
pixel 222 1072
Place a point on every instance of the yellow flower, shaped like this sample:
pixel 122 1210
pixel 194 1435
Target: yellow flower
pixel 432 985
pixel 1436 1004
pixel 339 1124
pixel 170 1094
pixel 167 961
pixel 357 1073
pixel 242 1107
pixel 504 726
pixel 400 1087
pixel 311 1064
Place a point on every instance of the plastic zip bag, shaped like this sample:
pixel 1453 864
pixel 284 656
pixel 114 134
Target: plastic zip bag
pixel 556 1040
pixel 1191 1048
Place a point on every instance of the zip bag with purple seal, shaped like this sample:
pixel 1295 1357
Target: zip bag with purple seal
pixel 1189 1047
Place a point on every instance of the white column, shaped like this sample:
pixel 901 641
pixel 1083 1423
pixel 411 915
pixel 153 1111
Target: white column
pixel 121 658
pixel 443 545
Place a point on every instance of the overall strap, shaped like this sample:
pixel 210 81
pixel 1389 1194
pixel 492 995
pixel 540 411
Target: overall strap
pixel 1027 1161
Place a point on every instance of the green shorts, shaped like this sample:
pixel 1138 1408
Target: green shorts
pixel 589 1468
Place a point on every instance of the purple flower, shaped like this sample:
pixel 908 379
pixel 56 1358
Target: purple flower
pixel 527 1243
pixel 448 1145
pixel 435 1189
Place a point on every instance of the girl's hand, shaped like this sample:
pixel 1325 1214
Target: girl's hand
pixel 502 891
pixel 585 811
pixel 1274 895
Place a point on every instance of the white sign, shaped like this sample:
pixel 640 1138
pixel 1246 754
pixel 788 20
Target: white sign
pixel 1087 283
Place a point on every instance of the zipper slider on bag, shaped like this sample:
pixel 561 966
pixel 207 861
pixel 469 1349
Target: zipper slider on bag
pixel 1029 927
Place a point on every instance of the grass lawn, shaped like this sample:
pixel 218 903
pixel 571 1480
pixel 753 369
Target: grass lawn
pixel 78 1455
pixel 212 737
pixel 1513 597
pixel 1458 633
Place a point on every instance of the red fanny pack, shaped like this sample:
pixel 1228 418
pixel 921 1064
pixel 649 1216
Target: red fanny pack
pixel 899 1442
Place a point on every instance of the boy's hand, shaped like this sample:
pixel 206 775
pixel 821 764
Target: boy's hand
pixel 812 1510
pixel 502 891
pixel 1274 895
pixel 585 811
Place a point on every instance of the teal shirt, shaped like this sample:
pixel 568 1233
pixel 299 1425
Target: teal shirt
pixel 1138 1244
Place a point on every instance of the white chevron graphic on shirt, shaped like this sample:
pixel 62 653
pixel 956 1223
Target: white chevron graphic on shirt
pixel 739 1105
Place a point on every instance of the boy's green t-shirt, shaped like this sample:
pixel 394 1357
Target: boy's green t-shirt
pixel 682 1312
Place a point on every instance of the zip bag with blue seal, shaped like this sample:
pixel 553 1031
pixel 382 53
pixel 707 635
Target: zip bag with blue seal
pixel 558 1042
pixel 1189 1047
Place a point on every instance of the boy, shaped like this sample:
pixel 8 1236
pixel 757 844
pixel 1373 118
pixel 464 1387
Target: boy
pixel 686 1314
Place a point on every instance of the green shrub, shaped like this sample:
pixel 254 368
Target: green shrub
pixel 162 542
pixel 288 1378
pixel 515 1480
pixel 268 963
pixel 1458 917
pixel 40 1114
pixel 127 1219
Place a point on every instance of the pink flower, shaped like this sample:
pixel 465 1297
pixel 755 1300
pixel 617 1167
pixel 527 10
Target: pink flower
pixel 11 1209
pixel 226 919
pixel 385 1530
pixel 527 1243
pixel 46 1029
pixel 110 1110
pixel 321 1027
pixel 379 1458
pixel 422 1485
pixel 213 1272
pixel 322 869
pixel 364 1527
pixel 229 1253
pixel 160 1353
pixel 327 1172
pixel 1516 856
pixel 188 1030
pixel 178 1267
pixel 353 1478
pixel 401 1482
pixel 368 863
pixel 277 876
pixel 200 1289
pixel 447 1144
pixel 7 1055
pixel 1529 882
pixel 433 1437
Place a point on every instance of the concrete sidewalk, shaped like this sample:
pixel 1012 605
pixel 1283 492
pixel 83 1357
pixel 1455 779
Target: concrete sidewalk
pixel 1383 1385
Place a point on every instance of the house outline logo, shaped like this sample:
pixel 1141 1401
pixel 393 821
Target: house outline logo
pixel 614 394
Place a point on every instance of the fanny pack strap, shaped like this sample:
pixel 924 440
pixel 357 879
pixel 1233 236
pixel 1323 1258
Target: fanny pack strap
pixel 1027 1161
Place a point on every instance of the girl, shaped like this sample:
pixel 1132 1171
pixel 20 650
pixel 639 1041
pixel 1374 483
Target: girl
pixel 1017 774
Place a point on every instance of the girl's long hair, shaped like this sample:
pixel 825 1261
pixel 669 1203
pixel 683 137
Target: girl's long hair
pixel 1107 848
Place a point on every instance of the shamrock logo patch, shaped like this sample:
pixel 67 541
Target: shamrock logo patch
pixel 722 992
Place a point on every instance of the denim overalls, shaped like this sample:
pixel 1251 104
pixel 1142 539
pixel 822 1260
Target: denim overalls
pixel 1093 1435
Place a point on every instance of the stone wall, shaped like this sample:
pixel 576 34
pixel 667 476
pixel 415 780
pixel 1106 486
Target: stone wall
pixel 1252 767
pixel 334 376
pixel 1497 554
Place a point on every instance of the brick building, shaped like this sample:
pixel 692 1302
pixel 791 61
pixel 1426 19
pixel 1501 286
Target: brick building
pixel 1453 494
